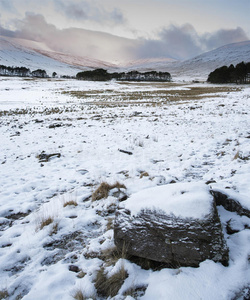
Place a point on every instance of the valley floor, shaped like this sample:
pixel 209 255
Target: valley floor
pixel 176 132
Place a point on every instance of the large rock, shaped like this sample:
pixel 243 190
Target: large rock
pixel 175 224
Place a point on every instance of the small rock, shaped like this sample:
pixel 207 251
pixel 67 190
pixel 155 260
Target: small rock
pixel 43 157
pixel 172 181
pixel 210 181
pixel 230 204
pixel 74 268
pixel 234 227
pixel 55 125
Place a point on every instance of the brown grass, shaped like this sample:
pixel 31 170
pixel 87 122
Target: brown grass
pixel 161 94
pixel 110 286
pixel 236 156
pixel 110 224
pixel 54 229
pixel 79 295
pixel 46 222
pixel 112 255
pixel 4 294
pixel 71 202
pixel 241 156
pixel 103 190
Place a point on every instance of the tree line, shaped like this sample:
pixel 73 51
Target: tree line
pixel 232 74
pixel 103 75
pixel 22 72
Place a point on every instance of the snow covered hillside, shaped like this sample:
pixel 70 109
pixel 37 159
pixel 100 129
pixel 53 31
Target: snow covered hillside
pixel 200 66
pixel 60 139
pixel 33 55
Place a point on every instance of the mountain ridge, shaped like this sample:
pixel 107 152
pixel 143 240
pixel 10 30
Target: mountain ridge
pixel 200 66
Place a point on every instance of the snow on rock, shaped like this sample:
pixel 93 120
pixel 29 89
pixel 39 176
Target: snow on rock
pixel 185 200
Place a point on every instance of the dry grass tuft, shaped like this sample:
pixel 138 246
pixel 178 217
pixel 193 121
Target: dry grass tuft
pixel 135 292
pixel 71 202
pixel 236 156
pixel 78 295
pixel 4 294
pixel 110 224
pixel 54 229
pixel 241 156
pixel 112 255
pixel 46 222
pixel 110 286
pixel 103 190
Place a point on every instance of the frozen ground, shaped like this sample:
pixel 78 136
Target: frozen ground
pixel 176 132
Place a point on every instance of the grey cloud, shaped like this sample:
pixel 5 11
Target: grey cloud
pixel 183 42
pixel 7 5
pixel 223 37
pixel 75 12
pixel 83 10
pixel 34 27
pixel 118 16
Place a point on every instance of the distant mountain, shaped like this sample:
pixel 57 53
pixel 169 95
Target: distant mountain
pixel 200 66
pixel 33 55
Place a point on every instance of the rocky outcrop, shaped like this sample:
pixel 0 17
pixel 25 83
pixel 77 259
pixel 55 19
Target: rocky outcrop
pixel 175 239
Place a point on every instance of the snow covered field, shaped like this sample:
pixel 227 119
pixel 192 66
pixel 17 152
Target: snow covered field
pixel 54 239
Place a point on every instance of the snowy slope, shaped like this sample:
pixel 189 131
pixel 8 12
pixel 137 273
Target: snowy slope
pixel 34 55
pixel 203 64
pixel 188 141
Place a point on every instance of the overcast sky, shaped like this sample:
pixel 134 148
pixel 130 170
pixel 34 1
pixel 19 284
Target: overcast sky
pixel 116 30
